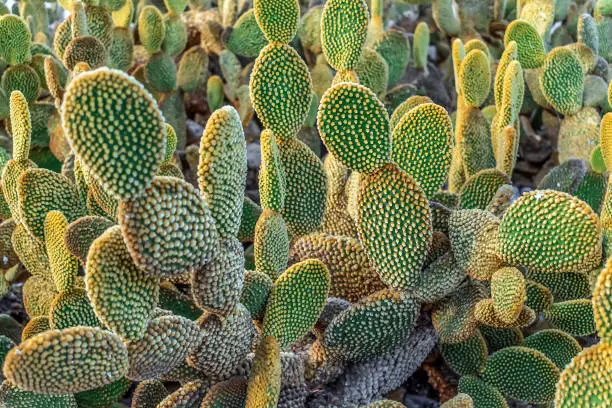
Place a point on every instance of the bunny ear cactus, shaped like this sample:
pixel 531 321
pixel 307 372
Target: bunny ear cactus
pixel 64 266
pixel 356 334
pixel 510 368
pixel 169 230
pixel 296 301
pixel 558 346
pixel 222 169
pixel 529 44
pixel 123 296
pixel 45 362
pixel 344 26
pixel 271 244
pixel 562 81
pixel 15 40
pixel 576 246
pixel 110 152
pixel 424 134
pixel 81 233
pixel 70 309
pixel 281 90
pixel 265 380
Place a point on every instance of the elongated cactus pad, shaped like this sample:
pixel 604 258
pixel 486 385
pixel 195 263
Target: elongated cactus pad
pixel 122 295
pixel 397 250
pixel 67 361
pixel 169 230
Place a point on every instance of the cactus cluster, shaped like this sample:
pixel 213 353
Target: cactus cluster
pixel 379 227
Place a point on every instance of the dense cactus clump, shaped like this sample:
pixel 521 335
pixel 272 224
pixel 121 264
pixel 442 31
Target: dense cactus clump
pixel 287 204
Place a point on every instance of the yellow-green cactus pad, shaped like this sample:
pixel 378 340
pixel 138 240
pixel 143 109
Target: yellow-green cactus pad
pixel 123 296
pixel 250 214
pixel 190 394
pixel 160 72
pixel 422 144
pixel 309 30
pixel 228 394
pixel 578 135
pixel 217 285
pixel 372 326
pixel 479 189
pixel 21 126
pixel 482 394
pixel 67 361
pixel 466 357
pixel 558 346
pixel 21 78
pixel 296 301
pixel 87 50
pixel 498 339
pixel 529 44
pixel 306 183
pixel 523 374
pixel 15 397
pixel 394 47
pixel 602 304
pixel 420 47
pixel 344 26
pixel 474 239
pixel 574 317
pixel 31 253
pixel 485 314
pixel 271 174
pixel 256 289
pixel 563 286
pixel 562 81
pixel 64 266
pixel 281 90
pixel 475 77
pixel 169 230
pixel 15 40
pixel 373 71
pixel 510 54
pixel 585 381
pixel 151 29
pixel 550 231
pixel 538 297
pixel 70 309
pixel 38 294
pixel 192 71
pixel 222 169
pixel 246 38
pixel 10 177
pixel 354 126
pixel 278 20
pixel 406 107
pixel 474 145
pixel 508 293
pixel 80 234
pixel 265 380
pixel 176 35
pixel 166 343
pixel 124 156
pixel 605 140
pixel 40 191
pixel 396 249
pixel 271 244
pixel 227 341
pixel 352 275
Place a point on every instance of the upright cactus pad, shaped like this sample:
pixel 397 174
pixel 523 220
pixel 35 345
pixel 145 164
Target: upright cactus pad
pixel 126 155
pixel 397 254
